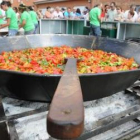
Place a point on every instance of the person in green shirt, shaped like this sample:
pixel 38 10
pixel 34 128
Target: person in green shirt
pixel 95 19
pixel 11 18
pixel 34 18
pixel 25 20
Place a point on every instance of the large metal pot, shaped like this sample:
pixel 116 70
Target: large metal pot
pixel 37 87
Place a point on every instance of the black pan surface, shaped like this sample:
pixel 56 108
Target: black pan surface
pixel 35 87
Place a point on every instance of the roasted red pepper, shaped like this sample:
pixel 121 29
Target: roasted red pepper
pixel 50 60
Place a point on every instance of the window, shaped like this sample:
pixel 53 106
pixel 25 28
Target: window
pixel 137 8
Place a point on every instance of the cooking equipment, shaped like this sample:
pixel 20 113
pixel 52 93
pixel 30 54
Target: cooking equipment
pixel 37 87
pixel 110 118
pixel 66 114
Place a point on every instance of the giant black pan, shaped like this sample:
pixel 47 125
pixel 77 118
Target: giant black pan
pixel 42 87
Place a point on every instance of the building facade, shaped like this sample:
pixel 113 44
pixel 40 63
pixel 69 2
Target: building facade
pixel 15 3
pixel 125 4
pixel 61 3
pixel 72 3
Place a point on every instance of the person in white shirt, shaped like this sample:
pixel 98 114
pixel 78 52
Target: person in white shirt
pixel 52 13
pixel 112 12
pixel 74 12
pixel 139 13
pixel 40 14
pixel 3 12
pixel 127 14
pixel 138 19
pixel 57 13
pixel 130 16
pixel 120 14
pixel 86 13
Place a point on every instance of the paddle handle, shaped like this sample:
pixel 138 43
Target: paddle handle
pixel 65 119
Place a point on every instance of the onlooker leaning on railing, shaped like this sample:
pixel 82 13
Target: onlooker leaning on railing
pixel 112 12
pixel 129 14
pixel 120 15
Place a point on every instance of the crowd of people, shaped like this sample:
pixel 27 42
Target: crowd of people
pixel 62 13
pixel 111 12
pixel 27 18
pixel 16 18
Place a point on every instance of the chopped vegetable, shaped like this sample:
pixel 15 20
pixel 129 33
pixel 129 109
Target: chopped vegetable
pixel 50 60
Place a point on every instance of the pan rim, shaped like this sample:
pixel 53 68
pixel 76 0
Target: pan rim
pixel 59 75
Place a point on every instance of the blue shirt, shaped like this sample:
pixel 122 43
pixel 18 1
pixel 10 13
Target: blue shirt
pixel 78 15
pixel 66 14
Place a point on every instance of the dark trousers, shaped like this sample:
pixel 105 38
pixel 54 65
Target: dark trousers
pixel 36 26
pixel 95 30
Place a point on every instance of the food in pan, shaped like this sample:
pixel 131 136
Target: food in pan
pixel 50 60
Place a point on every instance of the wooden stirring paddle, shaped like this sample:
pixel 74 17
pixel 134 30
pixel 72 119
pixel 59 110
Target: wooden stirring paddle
pixel 65 119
